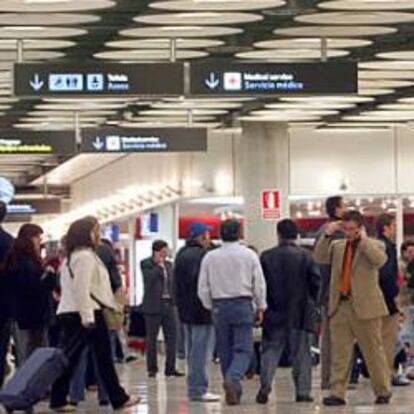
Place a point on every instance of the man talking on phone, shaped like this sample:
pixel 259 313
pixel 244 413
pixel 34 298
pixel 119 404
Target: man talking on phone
pixel 356 305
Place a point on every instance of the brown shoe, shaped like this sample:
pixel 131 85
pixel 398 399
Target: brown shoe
pixel 232 393
pixel 68 408
pixel 132 401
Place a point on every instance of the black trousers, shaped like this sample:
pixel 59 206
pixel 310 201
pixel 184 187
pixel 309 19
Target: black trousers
pixel 153 323
pixel 74 339
pixel 5 332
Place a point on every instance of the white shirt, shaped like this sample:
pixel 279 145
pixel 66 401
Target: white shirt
pixel 90 278
pixel 231 271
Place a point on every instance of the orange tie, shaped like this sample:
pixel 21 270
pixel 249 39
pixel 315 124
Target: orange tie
pixel 346 270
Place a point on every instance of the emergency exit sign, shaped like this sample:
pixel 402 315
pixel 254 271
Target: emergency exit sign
pixel 270 202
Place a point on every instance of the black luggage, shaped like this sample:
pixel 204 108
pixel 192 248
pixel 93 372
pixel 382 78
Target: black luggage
pixel 33 380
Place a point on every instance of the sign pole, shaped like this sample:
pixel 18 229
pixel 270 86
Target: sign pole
pixel 78 136
pixel 190 117
pixel 45 183
pixel 324 49
pixel 173 50
pixel 20 50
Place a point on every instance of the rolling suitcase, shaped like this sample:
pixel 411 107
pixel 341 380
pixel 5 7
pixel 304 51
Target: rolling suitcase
pixel 33 380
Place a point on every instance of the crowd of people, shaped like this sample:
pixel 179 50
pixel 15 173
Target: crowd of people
pixel 351 288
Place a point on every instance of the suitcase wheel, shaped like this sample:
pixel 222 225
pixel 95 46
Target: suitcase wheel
pixel 9 410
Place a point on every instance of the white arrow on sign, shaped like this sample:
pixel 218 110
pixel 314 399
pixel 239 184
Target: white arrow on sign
pixel 212 82
pixel 98 144
pixel 36 83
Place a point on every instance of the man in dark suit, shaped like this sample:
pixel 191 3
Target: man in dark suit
pixel 6 241
pixel 293 282
pixel 158 308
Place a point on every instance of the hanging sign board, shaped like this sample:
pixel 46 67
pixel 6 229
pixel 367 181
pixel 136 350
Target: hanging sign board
pixel 100 79
pixel 144 140
pixel 258 79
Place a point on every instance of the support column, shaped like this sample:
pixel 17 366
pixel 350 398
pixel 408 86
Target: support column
pixel 168 224
pixel 400 221
pixel 265 165
pixel 133 283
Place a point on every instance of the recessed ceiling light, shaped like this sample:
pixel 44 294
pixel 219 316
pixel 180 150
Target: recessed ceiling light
pixel 202 18
pixel 291 54
pixel 310 112
pixel 181 31
pixel 175 112
pixel 362 124
pixel 148 55
pixel 11 55
pixel 398 55
pixel 91 100
pixel 310 105
pixel 38 44
pixel 70 114
pixel 49 19
pixel 366 84
pixel 375 92
pixel 356 18
pixel 385 74
pixel 37 32
pixel 168 124
pixel 387 65
pixel 382 116
pixel 164 43
pixel 335 31
pixel 76 106
pixel 171 118
pixel 218 99
pixel 278 118
pixel 222 5
pixel 397 107
pixel 312 43
pixel 196 105
pixel 41 6
pixel 352 99
pixel 375 5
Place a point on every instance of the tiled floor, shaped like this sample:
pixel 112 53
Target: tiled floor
pixel 161 396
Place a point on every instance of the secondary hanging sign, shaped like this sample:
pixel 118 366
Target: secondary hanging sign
pixel 116 140
pixel 37 142
pixel 98 79
pixel 258 79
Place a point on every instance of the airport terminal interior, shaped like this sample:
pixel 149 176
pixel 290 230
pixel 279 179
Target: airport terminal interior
pixel 168 120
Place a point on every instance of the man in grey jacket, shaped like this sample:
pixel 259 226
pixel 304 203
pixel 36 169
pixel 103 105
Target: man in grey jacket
pixel 232 285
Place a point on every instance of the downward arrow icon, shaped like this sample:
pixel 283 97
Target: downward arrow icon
pixel 98 144
pixel 212 81
pixel 36 83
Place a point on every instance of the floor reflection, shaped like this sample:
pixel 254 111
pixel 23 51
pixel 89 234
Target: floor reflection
pixel 162 396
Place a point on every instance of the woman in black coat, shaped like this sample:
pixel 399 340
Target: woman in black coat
pixel 30 287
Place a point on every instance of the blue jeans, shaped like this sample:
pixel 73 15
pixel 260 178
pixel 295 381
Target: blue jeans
pixel 233 319
pixel 199 346
pixel 300 350
pixel 78 382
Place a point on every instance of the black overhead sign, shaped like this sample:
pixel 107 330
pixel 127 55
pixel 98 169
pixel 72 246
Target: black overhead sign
pixel 22 206
pixel 100 79
pixel 255 79
pixel 144 140
pixel 37 142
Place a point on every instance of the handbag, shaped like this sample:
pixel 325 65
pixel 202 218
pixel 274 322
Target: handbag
pixel 114 318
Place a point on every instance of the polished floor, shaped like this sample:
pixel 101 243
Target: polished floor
pixel 161 396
